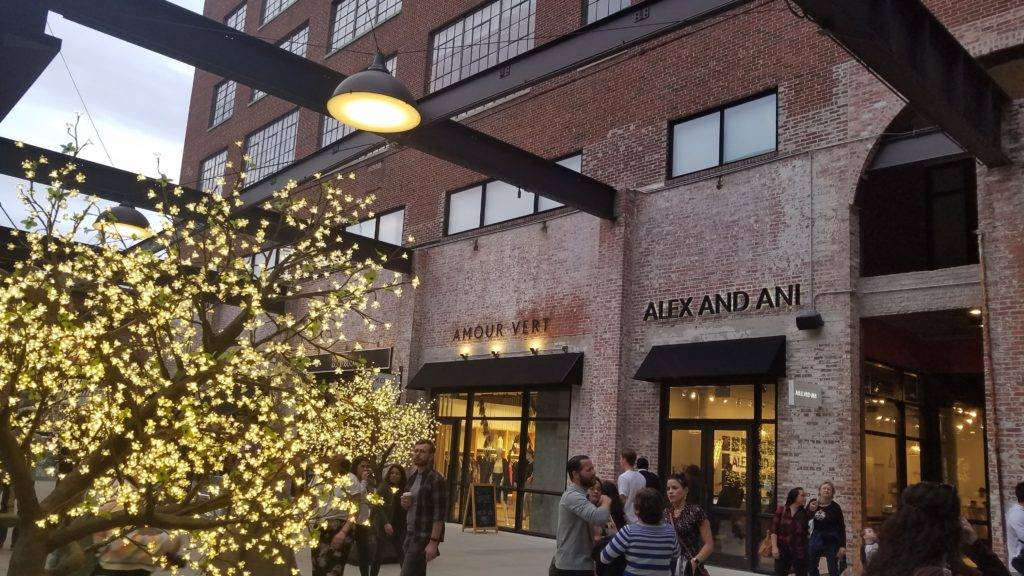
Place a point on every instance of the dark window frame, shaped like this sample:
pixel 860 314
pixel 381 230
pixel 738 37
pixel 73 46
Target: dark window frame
pixel 248 136
pixel 335 4
pixel 263 10
pixel 244 5
pixel 202 164
pixel 720 110
pixel 585 12
pixel 280 44
pixel 216 98
pixel 483 201
pixel 968 188
pixel 376 219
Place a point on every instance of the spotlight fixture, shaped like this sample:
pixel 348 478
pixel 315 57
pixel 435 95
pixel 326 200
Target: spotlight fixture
pixel 975 311
pixel 495 353
pixel 375 101
pixel 534 351
pixel 464 356
pixel 124 222
pixel 565 349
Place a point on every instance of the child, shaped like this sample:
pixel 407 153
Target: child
pixel 650 546
pixel 870 546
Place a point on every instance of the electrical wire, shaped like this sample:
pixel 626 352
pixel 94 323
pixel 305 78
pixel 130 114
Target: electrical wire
pixel 82 100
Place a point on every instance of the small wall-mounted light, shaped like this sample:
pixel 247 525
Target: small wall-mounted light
pixel 565 349
pixel 975 311
pixel 464 356
pixel 476 245
pixel 534 351
pixel 495 353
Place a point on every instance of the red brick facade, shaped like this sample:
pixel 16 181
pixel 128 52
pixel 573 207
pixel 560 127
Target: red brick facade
pixel 769 220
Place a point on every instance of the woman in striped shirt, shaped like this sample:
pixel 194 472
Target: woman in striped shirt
pixel 650 546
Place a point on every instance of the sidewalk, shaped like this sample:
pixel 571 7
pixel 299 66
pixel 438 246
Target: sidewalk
pixel 467 554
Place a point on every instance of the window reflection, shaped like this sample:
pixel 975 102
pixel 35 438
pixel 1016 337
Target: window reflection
pixel 734 402
pixel 963 456
pixel 881 488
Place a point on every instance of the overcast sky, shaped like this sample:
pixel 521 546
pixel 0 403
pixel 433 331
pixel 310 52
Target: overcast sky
pixel 138 99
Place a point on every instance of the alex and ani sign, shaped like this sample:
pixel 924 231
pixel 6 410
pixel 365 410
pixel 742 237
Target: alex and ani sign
pixel 724 302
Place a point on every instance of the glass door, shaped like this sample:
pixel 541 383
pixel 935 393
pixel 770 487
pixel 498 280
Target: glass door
pixel 448 461
pixel 716 460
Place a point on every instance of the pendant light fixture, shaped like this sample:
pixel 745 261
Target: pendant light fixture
pixel 123 222
pixel 375 101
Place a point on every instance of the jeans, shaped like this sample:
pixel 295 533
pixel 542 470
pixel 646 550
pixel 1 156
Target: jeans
pixel 786 563
pixel 831 554
pixel 414 555
pixel 552 571
pixel 397 541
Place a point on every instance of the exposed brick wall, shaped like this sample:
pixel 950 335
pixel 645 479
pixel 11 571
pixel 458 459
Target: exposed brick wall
pixel 765 221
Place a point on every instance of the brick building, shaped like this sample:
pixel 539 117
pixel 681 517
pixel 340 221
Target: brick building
pixel 758 181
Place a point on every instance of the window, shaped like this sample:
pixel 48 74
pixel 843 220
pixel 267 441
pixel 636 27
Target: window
pixel 271 8
pixel 492 34
pixel 892 437
pixel 496 201
pixel 223 102
pixel 271 148
pixel 297 43
pixel 332 130
pixel 353 18
pixel 212 169
pixel 237 18
pixel 597 9
pixel 728 134
pixel 385 227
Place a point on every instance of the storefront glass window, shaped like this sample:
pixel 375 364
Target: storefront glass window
pixel 882 381
pixel 544 460
pixel 712 402
pixel 913 462
pixel 550 404
pixel 453 405
pixel 881 487
pixel 540 512
pixel 768 402
pixel 913 422
pixel 766 474
pixel 881 415
pixel 963 457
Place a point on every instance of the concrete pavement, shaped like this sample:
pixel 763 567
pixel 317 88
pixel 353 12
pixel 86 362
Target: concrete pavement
pixel 466 554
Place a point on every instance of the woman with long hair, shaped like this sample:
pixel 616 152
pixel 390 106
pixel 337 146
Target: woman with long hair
pixel 690 521
pixel 353 529
pixel 389 517
pixel 604 534
pixel 789 535
pixel 927 537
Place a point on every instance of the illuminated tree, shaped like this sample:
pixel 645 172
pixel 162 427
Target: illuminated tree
pixel 168 386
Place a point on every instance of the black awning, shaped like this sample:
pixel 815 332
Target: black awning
pixel 744 357
pixel 511 372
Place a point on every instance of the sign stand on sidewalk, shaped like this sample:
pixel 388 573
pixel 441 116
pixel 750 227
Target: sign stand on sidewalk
pixel 479 511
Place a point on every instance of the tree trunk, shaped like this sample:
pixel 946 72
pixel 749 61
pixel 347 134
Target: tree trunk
pixel 28 556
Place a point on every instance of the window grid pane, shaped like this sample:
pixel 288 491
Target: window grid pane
pixel 212 169
pixel 223 102
pixel 271 148
pixel 389 227
pixel 271 8
pixel 502 201
pixel 597 9
pixel 695 144
pixel 725 135
pixel 353 18
pixel 332 130
pixel 297 44
pixel 492 34
pixel 237 18
pixel 749 129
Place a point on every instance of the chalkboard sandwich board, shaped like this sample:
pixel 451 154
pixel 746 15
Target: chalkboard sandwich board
pixel 479 513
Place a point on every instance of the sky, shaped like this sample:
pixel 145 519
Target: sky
pixel 138 100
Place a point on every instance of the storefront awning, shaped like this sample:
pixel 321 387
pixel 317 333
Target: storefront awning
pixel 722 358
pixel 509 373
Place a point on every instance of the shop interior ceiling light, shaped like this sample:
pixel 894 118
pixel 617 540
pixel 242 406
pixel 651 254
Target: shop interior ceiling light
pixel 375 101
pixel 123 222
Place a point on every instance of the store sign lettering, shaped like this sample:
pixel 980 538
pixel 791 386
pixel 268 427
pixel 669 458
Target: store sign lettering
pixel 500 330
pixel 724 302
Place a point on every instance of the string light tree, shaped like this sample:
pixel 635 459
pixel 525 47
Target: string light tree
pixel 160 407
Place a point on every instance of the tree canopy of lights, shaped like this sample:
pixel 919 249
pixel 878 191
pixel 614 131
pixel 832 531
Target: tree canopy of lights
pixel 168 388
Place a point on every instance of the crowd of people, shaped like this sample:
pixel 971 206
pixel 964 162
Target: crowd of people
pixel 639 526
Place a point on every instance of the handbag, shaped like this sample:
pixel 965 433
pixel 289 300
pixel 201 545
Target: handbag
pixel 765 549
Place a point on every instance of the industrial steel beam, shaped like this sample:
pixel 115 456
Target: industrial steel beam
pixel 125 187
pixel 173 31
pixel 26 50
pixel 608 36
pixel 908 48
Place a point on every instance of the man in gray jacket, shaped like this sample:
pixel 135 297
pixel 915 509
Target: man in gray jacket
pixel 576 519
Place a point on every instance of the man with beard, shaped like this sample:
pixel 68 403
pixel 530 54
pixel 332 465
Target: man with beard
pixel 426 502
pixel 576 519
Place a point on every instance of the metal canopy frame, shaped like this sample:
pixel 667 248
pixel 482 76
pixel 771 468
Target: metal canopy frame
pixel 910 49
pixel 26 52
pixel 125 187
pixel 158 25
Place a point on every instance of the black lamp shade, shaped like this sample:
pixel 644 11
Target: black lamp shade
pixel 123 221
pixel 375 101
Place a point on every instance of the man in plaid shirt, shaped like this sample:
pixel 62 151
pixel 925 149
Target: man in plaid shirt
pixel 426 502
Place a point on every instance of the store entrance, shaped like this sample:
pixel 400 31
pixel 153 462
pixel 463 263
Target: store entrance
pixel 722 440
